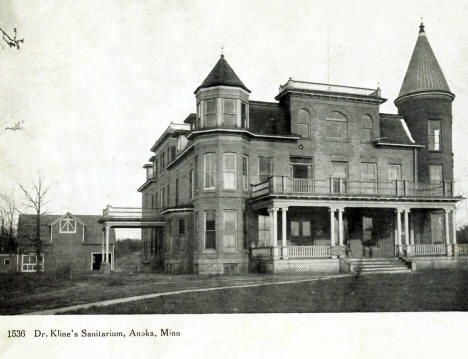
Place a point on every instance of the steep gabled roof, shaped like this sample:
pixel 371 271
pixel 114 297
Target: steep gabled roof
pixel 424 72
pixel 222 75
pixel 393 130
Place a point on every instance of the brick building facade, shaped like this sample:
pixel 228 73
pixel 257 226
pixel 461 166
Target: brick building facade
pixel 307 182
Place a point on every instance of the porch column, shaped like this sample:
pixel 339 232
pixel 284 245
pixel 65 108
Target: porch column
pixel 454 226
pixel 107 245
pixel 406 214
pixel 332 226
pixel 273 226
pixel 103 240
pixel 447 234
pixel 283 226
pixel 447 227
pixel 340 226
pixel 398 217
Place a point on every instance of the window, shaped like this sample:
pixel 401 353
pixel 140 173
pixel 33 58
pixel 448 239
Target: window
pixel 245 242
pixel 195 174
pixel 198 124
pixel 181 227
pixel 244 119
pixel 155 168
pixel 435 173
pixel 210 170
pixel 245 172
pixel 163 161
pixel 263 230
pixel 339 176
pixel 6 262
pixel 172 152
pixel 300 228
pixel 265 168
pixel 162 197
pixel 31 263
pixel 366 128
pixel 394 172
pixel 191 182
pixel 167 195
pixel 303 123
pixel 230 163
pixel 210 113
pixel 210 230
pixel 177 192
pixel 337 126
pixel 67 225
pixel 229 115
pixel 153 240
pixel 434 135
pixel 301 167
pixel 368 172
pixel 368 178
pixel 230 229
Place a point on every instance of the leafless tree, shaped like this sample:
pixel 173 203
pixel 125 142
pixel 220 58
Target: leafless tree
pixel 36 199
pixel 8 211
pixel 11 41
pixel 17 126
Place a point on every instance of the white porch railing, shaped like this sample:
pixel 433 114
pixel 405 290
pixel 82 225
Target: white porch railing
pixel 427 249
pixel 308 251
pixel 461 249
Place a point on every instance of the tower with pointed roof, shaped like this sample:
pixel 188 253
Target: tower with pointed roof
pixel 425 102
pixel 222 99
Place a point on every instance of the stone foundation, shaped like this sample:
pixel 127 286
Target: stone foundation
pixel 319 265
pixel 437 262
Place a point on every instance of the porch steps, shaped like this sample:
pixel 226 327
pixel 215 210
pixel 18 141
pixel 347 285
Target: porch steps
pixel 377 265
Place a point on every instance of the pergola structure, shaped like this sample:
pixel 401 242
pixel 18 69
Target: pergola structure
pixel 126 217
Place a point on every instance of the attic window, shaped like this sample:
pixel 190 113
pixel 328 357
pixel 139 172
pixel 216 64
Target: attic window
pixel 68 225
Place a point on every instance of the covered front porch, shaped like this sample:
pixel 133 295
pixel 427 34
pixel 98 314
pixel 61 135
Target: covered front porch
pixel 305 230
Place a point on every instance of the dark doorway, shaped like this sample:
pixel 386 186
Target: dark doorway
pixel 97 260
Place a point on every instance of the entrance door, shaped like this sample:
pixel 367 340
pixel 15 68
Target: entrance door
pixel 97 260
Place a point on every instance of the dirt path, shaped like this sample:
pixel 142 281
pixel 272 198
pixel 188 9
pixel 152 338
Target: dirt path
pixel 176 292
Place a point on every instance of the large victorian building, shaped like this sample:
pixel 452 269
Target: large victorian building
pixel 309 182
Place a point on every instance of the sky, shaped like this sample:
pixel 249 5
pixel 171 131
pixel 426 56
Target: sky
pixel 97 82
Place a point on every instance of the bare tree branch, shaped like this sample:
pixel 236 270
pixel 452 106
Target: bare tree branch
pixel 11 41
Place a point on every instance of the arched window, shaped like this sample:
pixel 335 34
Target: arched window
pixel 303 123
pixel 366 128
pixel 336 126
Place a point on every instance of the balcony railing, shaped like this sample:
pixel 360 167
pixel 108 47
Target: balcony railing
pixel 321 87
pixel 343 187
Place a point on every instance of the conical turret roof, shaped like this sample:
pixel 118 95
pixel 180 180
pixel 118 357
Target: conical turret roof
pixel 424 72
pixel 222 75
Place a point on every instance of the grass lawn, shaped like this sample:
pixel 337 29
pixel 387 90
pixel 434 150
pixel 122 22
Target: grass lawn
pixel 434 290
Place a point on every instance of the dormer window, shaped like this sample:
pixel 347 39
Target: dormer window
pixel 210 113
pixel 229 113
pixel 68 225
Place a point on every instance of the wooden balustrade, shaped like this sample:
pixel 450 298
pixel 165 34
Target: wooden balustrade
pixel 461 249
pixel 426 249
pixel 342 186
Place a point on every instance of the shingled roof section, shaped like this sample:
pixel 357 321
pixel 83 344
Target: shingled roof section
pixel 393 131
pixel 222 75
pixel 27 228
pixel 424 72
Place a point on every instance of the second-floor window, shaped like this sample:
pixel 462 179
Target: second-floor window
pixel 210 170
pixel 435 173
pixel 265 168
pixel 394 172
pixel 191 184
pixel 434 135
pixel 339 174
pixel 229 113
pixel 245 172
pixel 336 126
pixel 229 163
pixel 244 117
pixel 177 192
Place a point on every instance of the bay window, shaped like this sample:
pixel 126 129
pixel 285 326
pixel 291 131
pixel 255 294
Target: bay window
pixel 210 170
pixel 230 163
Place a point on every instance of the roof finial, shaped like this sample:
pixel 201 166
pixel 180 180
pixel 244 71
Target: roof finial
pixel 222 51
pixel 421 26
